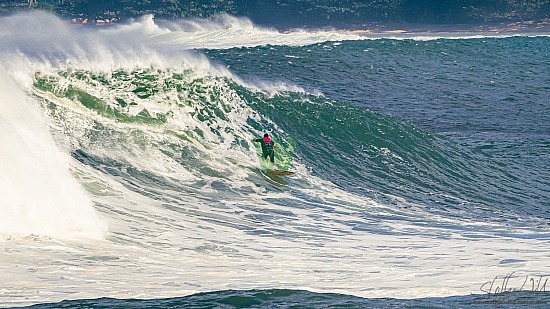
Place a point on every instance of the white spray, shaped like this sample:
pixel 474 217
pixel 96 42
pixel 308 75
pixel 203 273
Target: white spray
pixel 38 194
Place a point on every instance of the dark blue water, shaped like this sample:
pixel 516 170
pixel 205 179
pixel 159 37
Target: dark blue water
pixel 465 88
pixel 304 299
pixel 482 103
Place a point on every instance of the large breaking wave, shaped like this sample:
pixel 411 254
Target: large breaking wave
pixel 160 139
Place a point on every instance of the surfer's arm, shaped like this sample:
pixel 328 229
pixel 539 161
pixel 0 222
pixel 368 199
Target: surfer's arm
pixel 257 140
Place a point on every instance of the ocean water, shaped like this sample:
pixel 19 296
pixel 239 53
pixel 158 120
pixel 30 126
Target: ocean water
pixel 129 178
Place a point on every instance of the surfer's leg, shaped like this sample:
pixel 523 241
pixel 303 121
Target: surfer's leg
pixel 272 157
pixel 264 157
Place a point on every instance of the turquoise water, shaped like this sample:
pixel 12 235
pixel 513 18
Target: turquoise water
pixel 421 167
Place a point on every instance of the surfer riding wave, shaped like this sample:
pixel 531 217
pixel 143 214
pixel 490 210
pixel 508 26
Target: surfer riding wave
pixel 268 148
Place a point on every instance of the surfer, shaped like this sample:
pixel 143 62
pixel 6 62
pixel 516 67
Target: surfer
pixel 268 148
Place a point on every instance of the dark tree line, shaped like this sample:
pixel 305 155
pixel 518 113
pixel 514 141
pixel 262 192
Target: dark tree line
pixel 306 11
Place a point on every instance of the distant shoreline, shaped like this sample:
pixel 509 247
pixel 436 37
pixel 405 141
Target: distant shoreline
pixel 368 28
pixel 542 26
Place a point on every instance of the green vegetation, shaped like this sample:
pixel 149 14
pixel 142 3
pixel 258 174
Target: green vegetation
pixel 301 11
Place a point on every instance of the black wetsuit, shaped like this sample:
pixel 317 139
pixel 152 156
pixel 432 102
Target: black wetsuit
pixel 267 148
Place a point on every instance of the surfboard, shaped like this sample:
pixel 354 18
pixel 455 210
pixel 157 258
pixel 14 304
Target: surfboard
pixel 280 173
pixel 273 178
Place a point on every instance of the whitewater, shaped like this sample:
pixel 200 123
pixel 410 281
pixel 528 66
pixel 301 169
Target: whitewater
pixel 128 170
